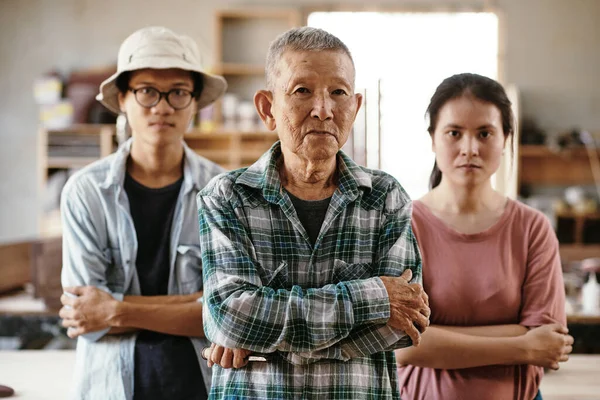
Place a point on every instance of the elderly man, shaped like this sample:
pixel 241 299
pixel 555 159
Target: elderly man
pixel 307 256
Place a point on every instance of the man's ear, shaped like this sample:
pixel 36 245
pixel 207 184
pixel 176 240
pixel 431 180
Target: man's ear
pixel 263 101
pixel 359 101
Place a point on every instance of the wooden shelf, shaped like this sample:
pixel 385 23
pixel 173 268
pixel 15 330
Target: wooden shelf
pixel 577 252
pixel 70 162
pixel 228 133
pixel 242 38
pixel 539 151
pixel 83 129
pixel 540 166
pixel 583 319
pixel 572 214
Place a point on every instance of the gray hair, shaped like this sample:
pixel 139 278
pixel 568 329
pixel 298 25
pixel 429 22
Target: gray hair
pixel 301 39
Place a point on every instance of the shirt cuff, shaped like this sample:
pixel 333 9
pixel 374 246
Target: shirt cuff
pixel 370 301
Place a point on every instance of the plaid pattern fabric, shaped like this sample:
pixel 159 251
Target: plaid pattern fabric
pixel 321 310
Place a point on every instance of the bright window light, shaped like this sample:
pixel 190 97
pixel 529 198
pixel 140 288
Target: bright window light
pixel 410 54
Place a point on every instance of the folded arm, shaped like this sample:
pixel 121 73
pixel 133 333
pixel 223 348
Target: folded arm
pixel 545 344
pixel 94 310
pixel 97 310
pixel 306 323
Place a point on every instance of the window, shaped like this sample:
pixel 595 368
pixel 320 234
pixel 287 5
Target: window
pixel 407 55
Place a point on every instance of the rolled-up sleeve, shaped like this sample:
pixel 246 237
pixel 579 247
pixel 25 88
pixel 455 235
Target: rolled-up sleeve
pixel 85 261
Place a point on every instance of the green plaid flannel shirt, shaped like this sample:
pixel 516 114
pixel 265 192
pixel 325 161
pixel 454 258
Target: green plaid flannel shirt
pixel 320 310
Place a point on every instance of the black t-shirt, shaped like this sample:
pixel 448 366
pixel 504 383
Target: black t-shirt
pixel 166 366
pixel 311 214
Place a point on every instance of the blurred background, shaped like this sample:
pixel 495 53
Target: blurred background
pixel 54 54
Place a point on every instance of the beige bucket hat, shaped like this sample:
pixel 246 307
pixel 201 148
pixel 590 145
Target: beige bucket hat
pixel 160 48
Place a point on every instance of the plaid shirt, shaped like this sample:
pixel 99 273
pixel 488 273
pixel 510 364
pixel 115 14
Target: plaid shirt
pixel 321 310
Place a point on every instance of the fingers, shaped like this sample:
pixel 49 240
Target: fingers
pixel 563 358
pixel 569 340
pixel 70 323
pixel 425 298
pixel 209 361
pixel 73 333
pixel 224 357
pixel 407 275
pixel 66 313
pixel 558 328
pixel 421 322
pixel 240 358
pixel 562 329
pixel 67 301
pixel 227 359
pixel 414 334
pixel 554 366
pixel 216 354
pixel 76 290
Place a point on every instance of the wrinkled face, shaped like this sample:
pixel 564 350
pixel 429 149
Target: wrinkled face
pixel 468 140
pixel 161 124
pixel 313 102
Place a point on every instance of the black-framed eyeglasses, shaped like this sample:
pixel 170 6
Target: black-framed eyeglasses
pixel 148 97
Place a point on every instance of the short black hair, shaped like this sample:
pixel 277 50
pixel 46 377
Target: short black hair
pixel 123 79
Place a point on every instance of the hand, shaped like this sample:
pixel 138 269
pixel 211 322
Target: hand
pixel 226 358
pixel 547 345
pixel 91 311
pixel 409 305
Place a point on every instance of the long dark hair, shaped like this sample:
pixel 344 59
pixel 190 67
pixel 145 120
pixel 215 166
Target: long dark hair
pixel 482 88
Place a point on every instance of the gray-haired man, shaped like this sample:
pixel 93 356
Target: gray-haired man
pixel 307 256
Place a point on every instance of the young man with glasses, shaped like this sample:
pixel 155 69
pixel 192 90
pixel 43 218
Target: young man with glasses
pixel 132 273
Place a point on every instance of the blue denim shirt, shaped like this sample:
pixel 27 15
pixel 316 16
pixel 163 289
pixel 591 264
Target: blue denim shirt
pixel 100 248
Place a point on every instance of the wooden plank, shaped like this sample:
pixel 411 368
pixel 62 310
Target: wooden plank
pixel 555 171
pixel 70 162
pixel 578 252
pixel 15 268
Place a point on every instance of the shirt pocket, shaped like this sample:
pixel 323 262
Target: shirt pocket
pixel 278 279
pixel 115 273
pixel 344 272
pixel 188 268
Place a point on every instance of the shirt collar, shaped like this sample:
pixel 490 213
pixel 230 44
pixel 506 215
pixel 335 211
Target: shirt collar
pixel 192 174
pixel 264 175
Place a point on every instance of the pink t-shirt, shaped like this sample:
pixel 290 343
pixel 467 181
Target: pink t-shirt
pixel 508 274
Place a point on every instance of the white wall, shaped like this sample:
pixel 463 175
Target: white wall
pixel 551 54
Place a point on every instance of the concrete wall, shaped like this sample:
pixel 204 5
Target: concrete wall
pixel 550 52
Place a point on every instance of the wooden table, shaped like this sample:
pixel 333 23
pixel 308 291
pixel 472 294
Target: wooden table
pixel 37 374
pixel 577 379
pixel 47 375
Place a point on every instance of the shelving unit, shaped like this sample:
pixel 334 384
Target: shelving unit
pixel 231 149
pixel 242 39
pixel 62 150
pixel 539 165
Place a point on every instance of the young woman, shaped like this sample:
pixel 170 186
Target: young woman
pixel 491 265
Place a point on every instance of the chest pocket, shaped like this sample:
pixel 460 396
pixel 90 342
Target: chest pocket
pixel 188 268
pixel 115 274
pixel 343 272
pixel 277 279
